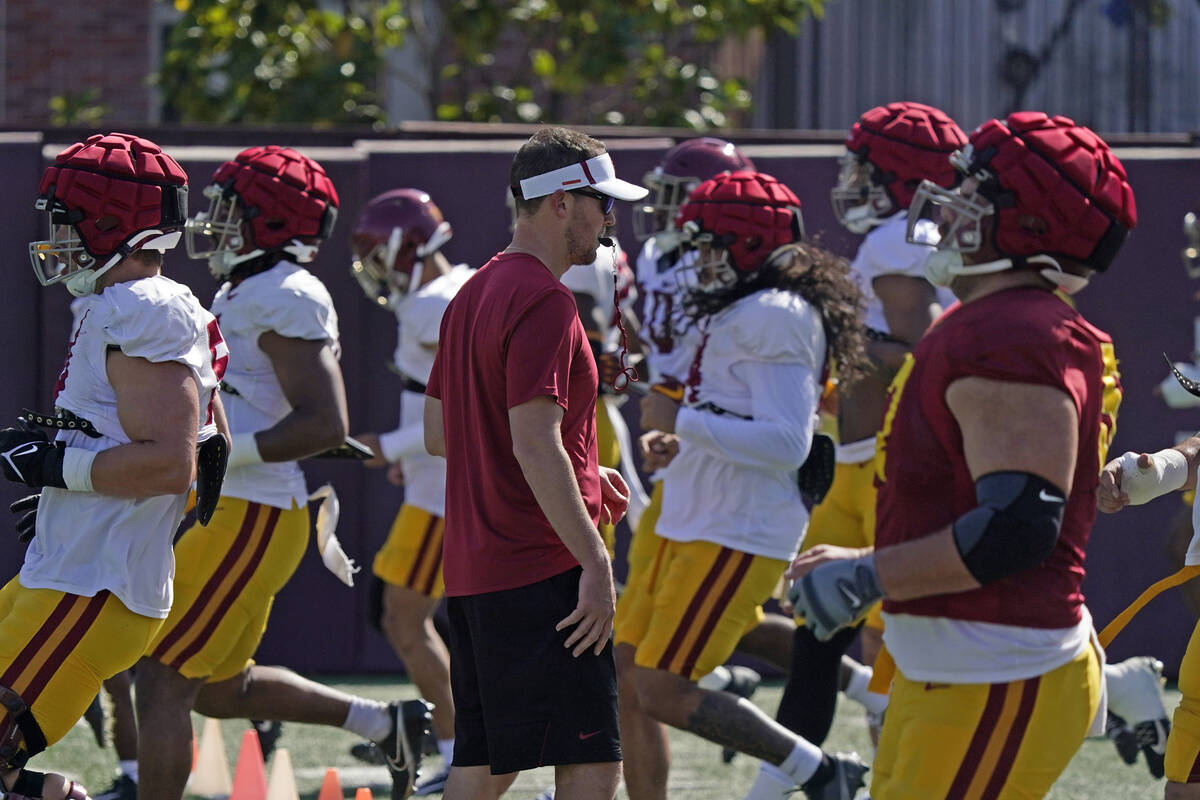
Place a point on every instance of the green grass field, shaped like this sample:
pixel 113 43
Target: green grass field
pixel 696 773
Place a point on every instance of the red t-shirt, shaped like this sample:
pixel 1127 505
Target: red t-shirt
pixel 512 333
pixel 1024 336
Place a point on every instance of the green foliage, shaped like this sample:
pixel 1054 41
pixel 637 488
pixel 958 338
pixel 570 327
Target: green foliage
pixel 278 61
pixel 77 108
pixel 640 62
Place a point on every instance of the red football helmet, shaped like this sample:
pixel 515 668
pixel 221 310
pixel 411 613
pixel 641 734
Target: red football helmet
pixel 107 197
pixel 1052 189
pixel 735 221
pixel 889 151
pixel 681 170
pixel 268 198
pixel 395 233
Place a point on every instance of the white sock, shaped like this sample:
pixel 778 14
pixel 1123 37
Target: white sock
pixel 446 748
pixel 716 681
pixel 801 764
pixel 369 719
pixel 771 784
pixel 856 689
pixel 129 768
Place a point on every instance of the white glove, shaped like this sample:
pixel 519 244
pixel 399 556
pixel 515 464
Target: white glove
pixel 1167 472
pixel 332 554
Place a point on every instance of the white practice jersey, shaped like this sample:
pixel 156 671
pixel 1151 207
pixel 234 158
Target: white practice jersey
pixel 671 336
pixel 420 320
pixel 596 281
pixel 746 427
pixel 88 542
pixel 885 251
pixel 292 302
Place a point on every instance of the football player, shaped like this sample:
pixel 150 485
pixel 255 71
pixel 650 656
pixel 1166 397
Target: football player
pixel 396 246
pixel 270 210
pixel 889 151
pixel 135 405
pixel 669 341
pixel 770 311
pixel 980 539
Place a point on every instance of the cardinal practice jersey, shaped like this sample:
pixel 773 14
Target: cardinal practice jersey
pixel 885 251
pixel 420 318
pixel 88 542
pixel 746 427
pixel 670 334
pixel 292 302
pixel 1023 335
pixel 596 281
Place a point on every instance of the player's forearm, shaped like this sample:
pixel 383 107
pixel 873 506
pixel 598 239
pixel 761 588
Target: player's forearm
pixel 774 444
pixel 1190 447
pixel 302 433
pixel 547 469
pixel 145 469
pixel 923 567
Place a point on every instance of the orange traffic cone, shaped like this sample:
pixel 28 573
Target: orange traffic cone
pixel 210 778
pixel 363 793
pixel 331 787
pixel 250 775
pixel 282 784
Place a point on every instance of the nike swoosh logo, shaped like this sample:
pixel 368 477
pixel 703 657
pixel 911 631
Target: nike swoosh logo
pixel 854 600
pixel 23 450
pixel 583 735
pixel 1049 498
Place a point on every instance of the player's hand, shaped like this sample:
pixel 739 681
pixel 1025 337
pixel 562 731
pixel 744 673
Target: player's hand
pixel 608 365
pixel 658 449
pixel 593 616
pixel 26 524
pixel 659 412
pixel 395 474
pixel 830 592
pixel 371 440
pixel 28 456
pixel 1110 497
pixel 614 496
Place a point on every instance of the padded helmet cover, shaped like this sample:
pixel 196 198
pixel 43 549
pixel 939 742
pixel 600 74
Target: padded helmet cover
pixel 112 186
pixel 907 143
pixel 748 213
pixel 284 195
pixel 1036 166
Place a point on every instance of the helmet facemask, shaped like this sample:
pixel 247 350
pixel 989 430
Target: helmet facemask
pixel 859 202
pixel 668 192
pixel 216 235
pixel 705 265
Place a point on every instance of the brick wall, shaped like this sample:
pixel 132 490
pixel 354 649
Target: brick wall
pixel 66 46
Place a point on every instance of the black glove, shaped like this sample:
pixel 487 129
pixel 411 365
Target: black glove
pixel 28 456
pixel 27 523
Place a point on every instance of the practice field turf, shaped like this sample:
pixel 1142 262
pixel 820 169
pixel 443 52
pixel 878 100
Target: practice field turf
pixel 697 772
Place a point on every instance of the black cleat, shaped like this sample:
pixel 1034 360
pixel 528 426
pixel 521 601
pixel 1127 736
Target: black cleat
pixel 402 748
pixel 123 788
pixel 95 720
pixel 848 777
pixel 368 753
pixel 269 731
pixel 1151 737
pixel 1118 732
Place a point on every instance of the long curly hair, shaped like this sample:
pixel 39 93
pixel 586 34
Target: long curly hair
pixel 823 280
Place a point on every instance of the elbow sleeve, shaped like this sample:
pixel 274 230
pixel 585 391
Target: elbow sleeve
pixel 1014 527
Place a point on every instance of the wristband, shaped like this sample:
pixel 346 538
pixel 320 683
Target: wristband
pixel 1167 472
pixel 243 451
pixel 77 469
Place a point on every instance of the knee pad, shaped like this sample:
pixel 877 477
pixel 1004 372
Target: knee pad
pixel 20 735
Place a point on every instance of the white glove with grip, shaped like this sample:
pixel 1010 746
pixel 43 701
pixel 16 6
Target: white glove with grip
pixel 1168 471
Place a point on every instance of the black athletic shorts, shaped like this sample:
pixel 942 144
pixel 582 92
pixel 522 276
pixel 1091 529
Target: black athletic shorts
pixel 521 700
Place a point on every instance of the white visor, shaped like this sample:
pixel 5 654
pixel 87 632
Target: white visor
pixel 597 172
